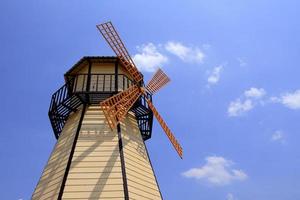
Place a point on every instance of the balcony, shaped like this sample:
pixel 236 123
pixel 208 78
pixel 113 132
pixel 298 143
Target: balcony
pixel 92 89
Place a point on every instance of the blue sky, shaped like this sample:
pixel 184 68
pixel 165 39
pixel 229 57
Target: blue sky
pixel 233 103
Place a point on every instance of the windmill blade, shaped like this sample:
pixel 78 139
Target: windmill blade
pixel 170 135
pixel 158 80
pixel 116 107
pixel 112 37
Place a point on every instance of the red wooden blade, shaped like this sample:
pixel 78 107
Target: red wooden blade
pixel 168 132
pixel 158 80
pixel 116 107
pixel 113 39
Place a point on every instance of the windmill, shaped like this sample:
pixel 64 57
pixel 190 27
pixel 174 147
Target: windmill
pixel 116 107
pixel 101 117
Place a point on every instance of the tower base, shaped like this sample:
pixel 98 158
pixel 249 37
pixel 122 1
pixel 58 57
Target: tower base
pixel 90 161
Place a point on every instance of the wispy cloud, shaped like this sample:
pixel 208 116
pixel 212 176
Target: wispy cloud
pixel 237 107
pixel 255 92
pixel 149 58
pixel 215 75
pixel 250 99
pixel 185 53
pixel 217 171
pixel 278 136
pixel 242 62
pixel 230 197
pixel 257 96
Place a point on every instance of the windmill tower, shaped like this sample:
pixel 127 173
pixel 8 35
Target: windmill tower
pixel 101 117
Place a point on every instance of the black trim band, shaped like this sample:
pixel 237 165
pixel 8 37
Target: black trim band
pixel 116 76
pixel 125 186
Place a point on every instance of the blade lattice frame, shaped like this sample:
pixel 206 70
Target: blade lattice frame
pixel 164 126
pixel 158 80
pixel 113 39
pixel 116 107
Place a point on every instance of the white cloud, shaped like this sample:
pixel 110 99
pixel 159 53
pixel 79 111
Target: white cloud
pixel 256 96
pixel 247 102
pixel 242 62
pixel 215 75
pixel 255 92
pixel 237 107
pixel 185 53
pixel 149 58
pixel 230 197
pixel 216 171
pixel 275 99
pixel 291 100
pixel 278 136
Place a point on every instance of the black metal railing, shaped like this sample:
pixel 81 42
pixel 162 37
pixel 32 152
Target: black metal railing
pixel 144 116
pixel 101 83
pixel 76 92
pixel 63 102
pixel 59 96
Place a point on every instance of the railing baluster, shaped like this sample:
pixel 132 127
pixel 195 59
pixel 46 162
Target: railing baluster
pixel 61 94
pixel 123 82
pixel 110 83
pixel 83 84
pixel 97 83
pixel 104 83
pixel 75 84
pixel 58 96
pixel 64 92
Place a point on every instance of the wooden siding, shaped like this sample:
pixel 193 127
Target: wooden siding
pixel 140 177
pixel 51 179
pixel 95 171
pixel 103 68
